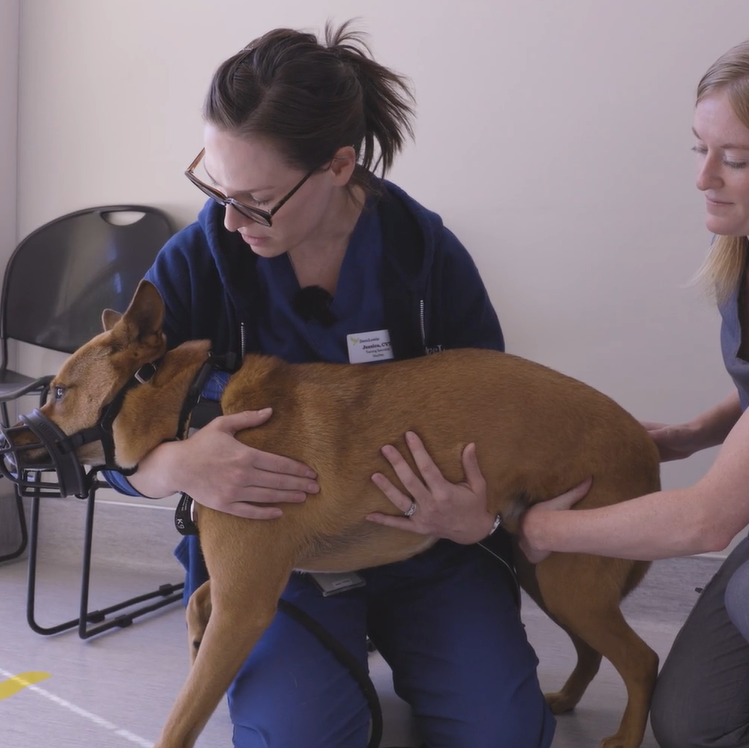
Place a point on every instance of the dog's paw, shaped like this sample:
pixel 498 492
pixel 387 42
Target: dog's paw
pixel 620 741
pixel 560 702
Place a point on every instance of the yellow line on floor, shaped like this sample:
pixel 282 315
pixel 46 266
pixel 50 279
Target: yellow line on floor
pixel 24 683
pixel 17 683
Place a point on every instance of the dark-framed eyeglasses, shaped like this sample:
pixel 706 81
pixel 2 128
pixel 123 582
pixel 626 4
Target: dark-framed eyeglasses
pixel 263 217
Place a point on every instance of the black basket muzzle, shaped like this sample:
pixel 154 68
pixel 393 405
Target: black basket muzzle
pixel 53 453
pixel 32 474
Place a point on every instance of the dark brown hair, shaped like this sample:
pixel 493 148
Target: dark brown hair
pixel 310 99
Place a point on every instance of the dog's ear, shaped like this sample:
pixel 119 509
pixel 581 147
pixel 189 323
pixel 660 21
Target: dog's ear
pixel 144 318
pixel 109 318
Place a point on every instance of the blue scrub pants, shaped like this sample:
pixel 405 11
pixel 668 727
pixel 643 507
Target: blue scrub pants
pixel 447 624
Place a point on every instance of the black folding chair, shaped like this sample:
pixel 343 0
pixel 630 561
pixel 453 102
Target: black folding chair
pixel 57 282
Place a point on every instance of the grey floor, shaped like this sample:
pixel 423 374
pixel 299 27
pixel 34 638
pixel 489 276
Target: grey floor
pixel 116 689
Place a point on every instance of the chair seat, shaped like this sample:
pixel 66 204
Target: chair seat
pixel 56 284
pixel 14 384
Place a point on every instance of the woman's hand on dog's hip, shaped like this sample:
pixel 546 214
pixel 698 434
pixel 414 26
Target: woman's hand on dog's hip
pixel 220 472
pixel 531 525
pixel 456 511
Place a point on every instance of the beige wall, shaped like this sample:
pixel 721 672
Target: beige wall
pixel 553 136
pixel 8 123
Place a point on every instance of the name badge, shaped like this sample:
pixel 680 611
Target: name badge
pixel 367 347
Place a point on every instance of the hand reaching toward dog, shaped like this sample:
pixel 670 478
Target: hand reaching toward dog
pixel 674 442
pixel 677 441
pixel 220 472
pixel 456 511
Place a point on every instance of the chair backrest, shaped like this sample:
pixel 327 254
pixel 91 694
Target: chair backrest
pixel 61 276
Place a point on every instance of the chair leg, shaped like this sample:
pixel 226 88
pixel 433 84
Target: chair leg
pixel 31 582
pixel 24 531
pixel 5 420
pixel 169 593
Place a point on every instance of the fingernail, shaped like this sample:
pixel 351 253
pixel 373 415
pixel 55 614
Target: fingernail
pixel 312 488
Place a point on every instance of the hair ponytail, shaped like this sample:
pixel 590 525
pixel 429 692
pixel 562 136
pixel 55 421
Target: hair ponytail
pixel 386 97
pixel 311 99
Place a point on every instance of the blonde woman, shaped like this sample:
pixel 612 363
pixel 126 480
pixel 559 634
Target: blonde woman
pixel 702 696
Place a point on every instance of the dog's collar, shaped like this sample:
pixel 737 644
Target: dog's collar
pixel 147 371
pixel 102 431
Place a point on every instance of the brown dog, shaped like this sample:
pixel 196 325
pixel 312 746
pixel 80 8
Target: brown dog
pixel 537 433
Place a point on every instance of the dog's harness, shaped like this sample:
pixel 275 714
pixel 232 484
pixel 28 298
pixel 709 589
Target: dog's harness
pixel 197 410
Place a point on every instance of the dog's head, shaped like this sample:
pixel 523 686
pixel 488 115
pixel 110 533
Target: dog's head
pixel 74 425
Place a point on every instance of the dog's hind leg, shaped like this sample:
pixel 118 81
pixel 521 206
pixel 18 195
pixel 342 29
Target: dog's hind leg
pixel 588 660
pixel 598 621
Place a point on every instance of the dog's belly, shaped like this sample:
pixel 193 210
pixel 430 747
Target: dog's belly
pixel 352 552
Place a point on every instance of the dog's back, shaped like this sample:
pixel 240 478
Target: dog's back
pixel 537 431
pixel 537 434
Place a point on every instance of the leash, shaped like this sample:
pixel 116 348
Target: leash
pixel 345 658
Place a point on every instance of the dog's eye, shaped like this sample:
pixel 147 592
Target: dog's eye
pixel 58 393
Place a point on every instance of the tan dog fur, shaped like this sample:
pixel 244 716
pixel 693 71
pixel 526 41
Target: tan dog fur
pixel 537 434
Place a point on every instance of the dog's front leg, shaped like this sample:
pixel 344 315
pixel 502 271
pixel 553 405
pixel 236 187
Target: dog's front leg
pixel 198 614
pixel 248 574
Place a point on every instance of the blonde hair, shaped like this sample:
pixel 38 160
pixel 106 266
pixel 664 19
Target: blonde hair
pixel 724 266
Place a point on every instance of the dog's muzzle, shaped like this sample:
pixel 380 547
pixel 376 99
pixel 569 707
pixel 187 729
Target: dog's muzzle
pixel 41 459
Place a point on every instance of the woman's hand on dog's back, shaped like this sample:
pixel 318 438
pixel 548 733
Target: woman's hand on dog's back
pixel 433 505
pixel 222 473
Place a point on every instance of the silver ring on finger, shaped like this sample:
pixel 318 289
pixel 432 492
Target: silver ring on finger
pixel 410 511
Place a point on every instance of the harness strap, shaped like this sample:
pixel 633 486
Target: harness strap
pixel 193 395
pixel 184 519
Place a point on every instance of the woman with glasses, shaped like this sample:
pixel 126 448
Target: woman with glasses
pixel 302 252
pixel 702 694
